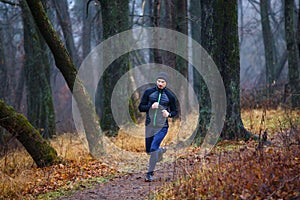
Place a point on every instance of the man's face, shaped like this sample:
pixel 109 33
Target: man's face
pixel 161 83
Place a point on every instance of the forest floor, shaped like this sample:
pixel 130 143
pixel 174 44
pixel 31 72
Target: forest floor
pixel 232 170
pixel 276 172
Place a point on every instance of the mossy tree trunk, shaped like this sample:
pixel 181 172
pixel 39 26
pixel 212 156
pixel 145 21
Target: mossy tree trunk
pixel 18 125
pixel 226 56
pixel 65 64
pixel 219 37
pixel 195 23
pixel 40 109
pixel 202 32
pixel 115 17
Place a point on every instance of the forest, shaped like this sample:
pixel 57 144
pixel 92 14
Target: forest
pixel 76 107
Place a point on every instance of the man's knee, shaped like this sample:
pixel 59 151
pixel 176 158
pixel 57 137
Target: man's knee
pixel 153 149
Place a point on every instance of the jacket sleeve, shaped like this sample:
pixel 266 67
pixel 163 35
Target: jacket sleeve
pixel 145 104
pixel 173 107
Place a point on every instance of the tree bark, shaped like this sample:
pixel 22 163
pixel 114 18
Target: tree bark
pixel 196 24
pixel 293 53
pixel 226 57
pixel 4 84
pixel 269 44
pixel 115 16
pixel 65 64
pixel 202 32
pixel 298 31
pixel 3 69
pixel 64 20
pixel 168 20
pixel 156 21
pixel 40 109
pixel 219 36
pixel 181 25
pixel 41 152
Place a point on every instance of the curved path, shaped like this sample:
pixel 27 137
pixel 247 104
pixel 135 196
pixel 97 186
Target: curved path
pixel 131 184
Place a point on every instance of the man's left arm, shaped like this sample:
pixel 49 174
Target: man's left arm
pixel 173 107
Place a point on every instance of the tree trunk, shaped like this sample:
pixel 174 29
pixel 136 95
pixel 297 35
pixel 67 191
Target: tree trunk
pixel 168 20
pixel 181 25
pixel 219 36
pixel 156 21
pixel 65 64
pixel 202 32
pixel 3 70
pixel 196 24
pixel 36 146
pixel 64 20
pixel 270 54
pixel 298 31
pixel 226 57
pixel 4 83
pixel 40 107
pixel 241 10
pixel 19 90
pixel 293 53
pixel 115 16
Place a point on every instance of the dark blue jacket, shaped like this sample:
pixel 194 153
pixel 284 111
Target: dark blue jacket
pixel 167 102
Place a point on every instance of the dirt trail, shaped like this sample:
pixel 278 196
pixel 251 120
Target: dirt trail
pixel 132 185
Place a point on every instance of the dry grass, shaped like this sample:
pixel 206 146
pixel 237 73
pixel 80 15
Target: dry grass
pixel 69 146
pixel 16 171
pixel 17 168
pixel 240 173
pixel 270 120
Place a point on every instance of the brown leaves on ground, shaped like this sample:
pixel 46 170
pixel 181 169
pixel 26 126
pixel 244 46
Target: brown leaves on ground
pixel 243 173
pixel 67 175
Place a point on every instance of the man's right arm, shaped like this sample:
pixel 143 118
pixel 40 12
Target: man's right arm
pixel 145 104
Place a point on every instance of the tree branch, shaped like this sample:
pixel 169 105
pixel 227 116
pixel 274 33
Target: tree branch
pixel 9 2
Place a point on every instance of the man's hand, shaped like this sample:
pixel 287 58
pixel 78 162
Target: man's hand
pixel 155 105
pixel 165 113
